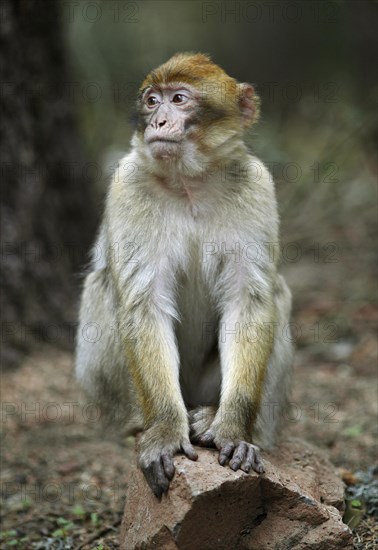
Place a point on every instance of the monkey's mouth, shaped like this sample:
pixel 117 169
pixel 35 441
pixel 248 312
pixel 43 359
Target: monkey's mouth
pixel 162 140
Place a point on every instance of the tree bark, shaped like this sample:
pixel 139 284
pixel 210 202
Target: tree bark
pixel 48 210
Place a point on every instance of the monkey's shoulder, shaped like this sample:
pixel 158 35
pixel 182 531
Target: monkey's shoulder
pixel 127 196
pixel 257 174
pixel 254 193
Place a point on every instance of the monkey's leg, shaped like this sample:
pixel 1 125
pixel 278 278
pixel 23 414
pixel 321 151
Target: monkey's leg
pixel 278 377
pixel 207 391
pixel 100 363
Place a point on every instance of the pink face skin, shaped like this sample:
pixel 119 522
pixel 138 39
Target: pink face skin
pixel 169 111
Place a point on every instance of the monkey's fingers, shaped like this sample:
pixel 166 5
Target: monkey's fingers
pixel 258 464
pixel 239 456
pixel 156 477
pixel 225 452
pixel 169 467
pixel 188 450
pixel 253 460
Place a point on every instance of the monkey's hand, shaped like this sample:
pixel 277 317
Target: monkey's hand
pixel 158 445
pixel 200 420
pixel 233 449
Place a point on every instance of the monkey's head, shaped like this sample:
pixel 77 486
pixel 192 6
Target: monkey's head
pixel 189 108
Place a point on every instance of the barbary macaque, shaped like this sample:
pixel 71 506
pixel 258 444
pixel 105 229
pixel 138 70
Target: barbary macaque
pixel 193 316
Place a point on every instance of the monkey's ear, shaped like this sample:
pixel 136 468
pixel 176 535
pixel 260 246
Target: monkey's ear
pixel 249 104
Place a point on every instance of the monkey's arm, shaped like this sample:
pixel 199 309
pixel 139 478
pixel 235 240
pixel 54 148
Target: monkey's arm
pixel 152 360
pixel 151 355
pixel 144 284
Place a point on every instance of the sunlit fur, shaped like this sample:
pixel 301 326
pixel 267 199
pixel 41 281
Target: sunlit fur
pixel 172 281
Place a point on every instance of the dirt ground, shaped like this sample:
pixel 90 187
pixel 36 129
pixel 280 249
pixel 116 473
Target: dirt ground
pixel 63 476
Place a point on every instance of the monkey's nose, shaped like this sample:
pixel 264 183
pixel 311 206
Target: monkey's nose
pixel 161 124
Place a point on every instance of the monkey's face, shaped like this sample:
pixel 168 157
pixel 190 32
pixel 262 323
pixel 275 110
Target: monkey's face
pixel 191 111
pixel 170 115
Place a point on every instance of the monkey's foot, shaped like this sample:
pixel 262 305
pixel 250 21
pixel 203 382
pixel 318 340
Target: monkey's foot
pixel 238 453
pixel 200 420
pixel 157 464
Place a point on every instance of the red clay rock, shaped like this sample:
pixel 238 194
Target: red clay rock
pixel 294 505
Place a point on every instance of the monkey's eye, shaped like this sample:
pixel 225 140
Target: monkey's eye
pixel 152 101
pixel 178 98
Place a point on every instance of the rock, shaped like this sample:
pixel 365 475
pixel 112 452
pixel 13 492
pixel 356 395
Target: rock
pixel 294 505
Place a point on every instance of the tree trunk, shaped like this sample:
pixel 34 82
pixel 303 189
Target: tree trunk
pixel 48 211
